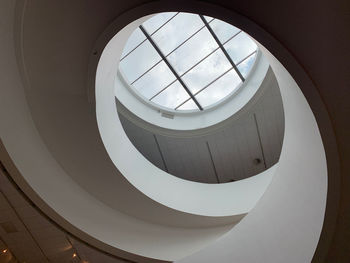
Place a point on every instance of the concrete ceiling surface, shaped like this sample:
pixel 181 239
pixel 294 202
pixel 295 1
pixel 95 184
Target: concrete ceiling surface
pixel 316 33
pixel 35 238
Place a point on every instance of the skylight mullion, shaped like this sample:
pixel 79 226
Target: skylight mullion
pixel 244 66
pixel 191 36
pixel 175 32
pixel 170 67
pixel 172 51
pixel 151 34
pixel 127 54
pixel 222 47
pixel 190 106
pixel 206 86
pixel 246 57
pixel 164 23
pixel 131 67
pixel 220 89
pixel 182 103
pixel 196 64
pixel 172 96
pixel 167 86
pixel 144 73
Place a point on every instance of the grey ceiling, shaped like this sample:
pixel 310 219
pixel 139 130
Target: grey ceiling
pixel 239 149
pixel 32 238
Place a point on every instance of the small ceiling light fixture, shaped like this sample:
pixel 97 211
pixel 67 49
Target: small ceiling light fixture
pixel 74 255
pixel 257 161
pixel 4 251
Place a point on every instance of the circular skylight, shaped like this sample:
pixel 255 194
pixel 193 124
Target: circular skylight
pixel 183 61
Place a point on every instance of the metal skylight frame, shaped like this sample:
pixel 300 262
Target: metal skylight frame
pixel 178 77
pixel 222 47
pixel 217 78
pixel 170 66
pixel 151 35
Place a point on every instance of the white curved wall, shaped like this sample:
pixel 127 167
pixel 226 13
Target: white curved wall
pixel 59 196
pixel 286 224
pixel 228 199
pixel 283 227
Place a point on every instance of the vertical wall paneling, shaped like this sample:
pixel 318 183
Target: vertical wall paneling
pixel 242 148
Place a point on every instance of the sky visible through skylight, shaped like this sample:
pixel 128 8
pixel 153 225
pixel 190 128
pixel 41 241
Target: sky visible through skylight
pixel 184 61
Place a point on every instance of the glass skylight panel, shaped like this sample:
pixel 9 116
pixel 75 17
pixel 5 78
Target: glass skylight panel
pixel 188 105
pixel 206 71
pixel 155 80
pixel 191 52
pixel 134 40
pixel 139 61
pixel 192 55
pixel 240 46
pixel 176 31
pixel 223 30
pixel 246 65
pixel 157 21
pixel 219 89
pixel 172 96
